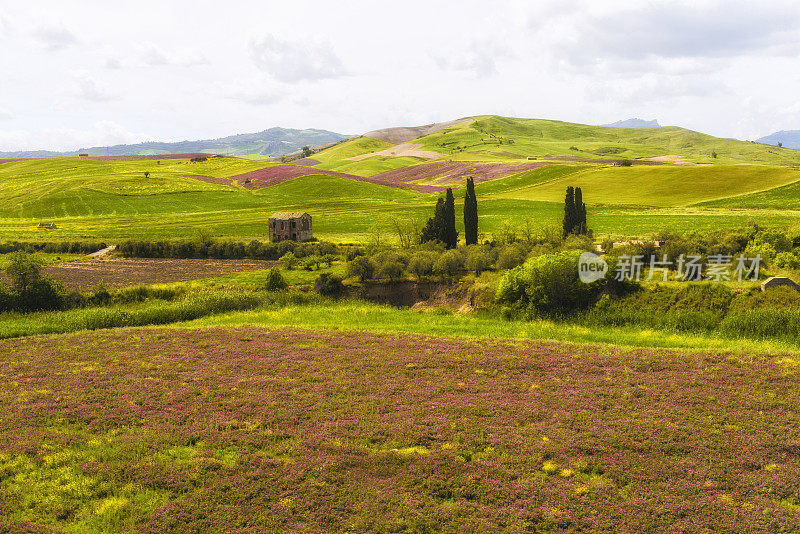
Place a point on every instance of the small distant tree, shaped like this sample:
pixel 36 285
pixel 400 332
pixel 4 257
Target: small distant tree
pixel 780 144
pixel 275 280
pixel 306 152
pixel 470 214
pixel 146 175
pixel 625 162
pixel 713 154
pixel 329 285
pixel 361 267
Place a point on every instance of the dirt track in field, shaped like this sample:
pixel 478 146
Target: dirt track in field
pixel 398 151
pixel 122 272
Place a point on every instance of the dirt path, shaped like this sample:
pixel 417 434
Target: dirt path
pixel 404 134
pixel 404 149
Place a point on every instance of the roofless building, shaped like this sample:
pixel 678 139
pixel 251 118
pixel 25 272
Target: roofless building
pixel 294 226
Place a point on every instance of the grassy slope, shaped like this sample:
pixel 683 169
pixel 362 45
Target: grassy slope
pixel 112 200
pixel 661 186
pixel 538 137
pixel 785 197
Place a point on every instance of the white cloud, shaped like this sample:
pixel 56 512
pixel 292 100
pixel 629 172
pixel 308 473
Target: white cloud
pixel 5 114
pixel 112 63
pixel 294 61
pixel 637 35
pixel 258 92
pixel 54 38
pixel 477 58
pixel 87 88
pixel 155 56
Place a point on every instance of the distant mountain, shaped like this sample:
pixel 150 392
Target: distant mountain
pixel 633 123
pixel 788 138
pixel 271 142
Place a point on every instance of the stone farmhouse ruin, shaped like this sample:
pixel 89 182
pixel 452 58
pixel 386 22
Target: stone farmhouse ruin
pixel 294 226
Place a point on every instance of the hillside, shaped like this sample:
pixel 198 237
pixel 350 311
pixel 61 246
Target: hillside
pixel 364 184
pixel 633 123
pixel 270 142
pixel 788 138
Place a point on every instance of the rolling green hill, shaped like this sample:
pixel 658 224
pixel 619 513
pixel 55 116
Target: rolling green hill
pixel 114 200
pixel 513 138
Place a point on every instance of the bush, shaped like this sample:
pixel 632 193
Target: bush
pixel 786 260
pixel 389 264
pixel 329 285
pixel 449 263
pixel 275 280
pixel 361 267
pixel 548 285
pixel 289 260
pixel 422 262
pixel 625 162
pixel 30 289
pixel 478 259
pixel 511 256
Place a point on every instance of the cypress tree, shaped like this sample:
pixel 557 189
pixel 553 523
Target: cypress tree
pixel 433 228
pixel 470 214
pixel 450 234
pixel 580 213
pixel 570 214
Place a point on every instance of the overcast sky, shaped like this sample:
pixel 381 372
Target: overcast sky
pixel 81 73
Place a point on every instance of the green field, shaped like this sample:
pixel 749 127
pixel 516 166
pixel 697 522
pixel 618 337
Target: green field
pixel 537 137
pixel 113 200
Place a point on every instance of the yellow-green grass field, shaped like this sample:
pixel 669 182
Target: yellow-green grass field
pixel 538 137
pixel 113 200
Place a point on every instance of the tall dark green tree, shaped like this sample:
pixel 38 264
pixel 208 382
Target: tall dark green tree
pixel 570 216
pixel 470 214
pixel 432 231
pixel 580 213
pixel 450 235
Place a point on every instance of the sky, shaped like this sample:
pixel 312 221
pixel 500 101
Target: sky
pixel 84 73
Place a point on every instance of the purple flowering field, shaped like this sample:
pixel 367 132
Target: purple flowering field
pixel 256 430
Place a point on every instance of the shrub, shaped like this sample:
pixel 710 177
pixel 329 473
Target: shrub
pixel 548 285
pixel 329 285
pixel 625 162
pixel 449 263
pixel 421 263
pixel 30 289
pixel 289 260
pixel 511 256
pixel 786 260
pixel 275 280
pixel 478 259
pixel 361 267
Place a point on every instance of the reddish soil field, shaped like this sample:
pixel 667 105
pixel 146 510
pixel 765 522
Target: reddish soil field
pixel 120 272
pixel 283 173
pixel 453 172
